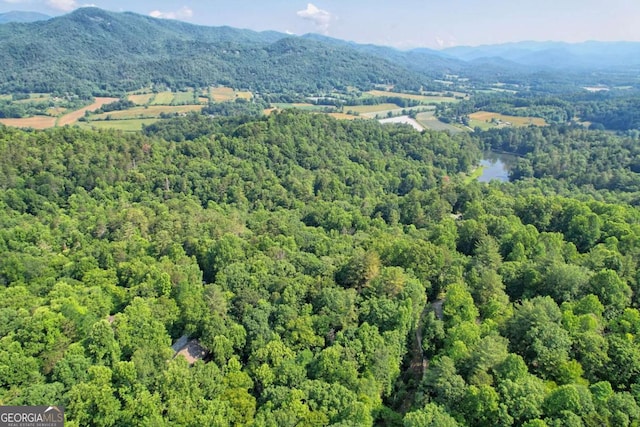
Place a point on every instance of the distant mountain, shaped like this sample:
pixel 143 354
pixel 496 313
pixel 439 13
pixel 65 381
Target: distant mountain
pixel 425 61
pixel 22 17
pixel 91 51
pixel 557 55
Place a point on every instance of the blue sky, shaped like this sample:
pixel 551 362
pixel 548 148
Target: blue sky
pixel 399 23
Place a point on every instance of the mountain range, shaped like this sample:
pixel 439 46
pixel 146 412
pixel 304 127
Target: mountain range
pixel 18 16
pixel 93 51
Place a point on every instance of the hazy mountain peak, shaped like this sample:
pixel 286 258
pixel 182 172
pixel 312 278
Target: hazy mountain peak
pixel 22 17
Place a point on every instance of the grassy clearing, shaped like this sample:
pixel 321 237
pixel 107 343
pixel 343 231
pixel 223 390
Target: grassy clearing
pixel 422 98
pixel 362 109
pixel 152 111
pixel 300 106
pixel 141 99
pixel 474 175
pixel 132 125
pixel 429 121
pixel 487 120
pixel 222 94
pixel 183 98
pixel 343 116
pixel 163 98
pixel 36 122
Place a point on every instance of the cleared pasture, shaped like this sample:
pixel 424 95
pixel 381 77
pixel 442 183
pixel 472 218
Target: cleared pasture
pixel 140 99
pixel 421 98
pixel 344 116
pixel 183 98
pixel 487 120
pixel 300 106
pixel 74 116
pixel 36 122
pixel 222 94
pixel 131 125
pixel 163 98
pixel 378 108
pixel 153 111
pixel 429 121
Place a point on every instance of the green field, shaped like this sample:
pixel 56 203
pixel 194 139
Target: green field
pixel 146 112
pixel 425 99
pixel 487 120
pixel 163 98
pixel 428 120
pixel 300 106
pixel 131 125
pixel 378 108
pixel 141 99
pixel 183 98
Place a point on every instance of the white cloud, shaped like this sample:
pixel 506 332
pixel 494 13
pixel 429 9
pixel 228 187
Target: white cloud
pixel 64 5
pixel 321 18
pixel 183 13
pixel 16 1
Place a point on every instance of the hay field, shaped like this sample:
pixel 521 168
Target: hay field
pixel 483 119
pixel 73 117
pixel 131 125
pixel 180 98
pixel 152 111
pixel 421 98
pixel 362 109
pixel 162 98
pixel 36 122
pixel 222 94
pixel 140 99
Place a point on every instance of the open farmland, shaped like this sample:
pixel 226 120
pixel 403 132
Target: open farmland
pixel 140 99
pixel 152 111
pixel 130 125
pixel 183 98
pixel 378 108
pixel 162 98
pixel 421 98
pixel 222 94
pixel 343 116
pixel 74 116
pixel 430 121
pixel 36 122
pixel 487 120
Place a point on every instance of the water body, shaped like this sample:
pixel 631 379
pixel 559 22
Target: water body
pixel 496 166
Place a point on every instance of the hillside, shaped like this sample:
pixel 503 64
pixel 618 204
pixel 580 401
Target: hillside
pixel 19 16
pixel 92 51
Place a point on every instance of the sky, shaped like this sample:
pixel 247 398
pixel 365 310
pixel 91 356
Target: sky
pixel 400 23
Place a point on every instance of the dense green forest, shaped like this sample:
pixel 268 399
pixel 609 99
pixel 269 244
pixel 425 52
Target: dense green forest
pixel 338 273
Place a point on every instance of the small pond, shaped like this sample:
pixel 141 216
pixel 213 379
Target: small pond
pixel 496 166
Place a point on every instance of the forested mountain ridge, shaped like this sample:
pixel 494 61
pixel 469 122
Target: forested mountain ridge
pixel 91 50
pixel 338 273
pixel 95 52
pixel 18 16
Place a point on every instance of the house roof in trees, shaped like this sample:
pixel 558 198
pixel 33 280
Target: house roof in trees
pixel 190 349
